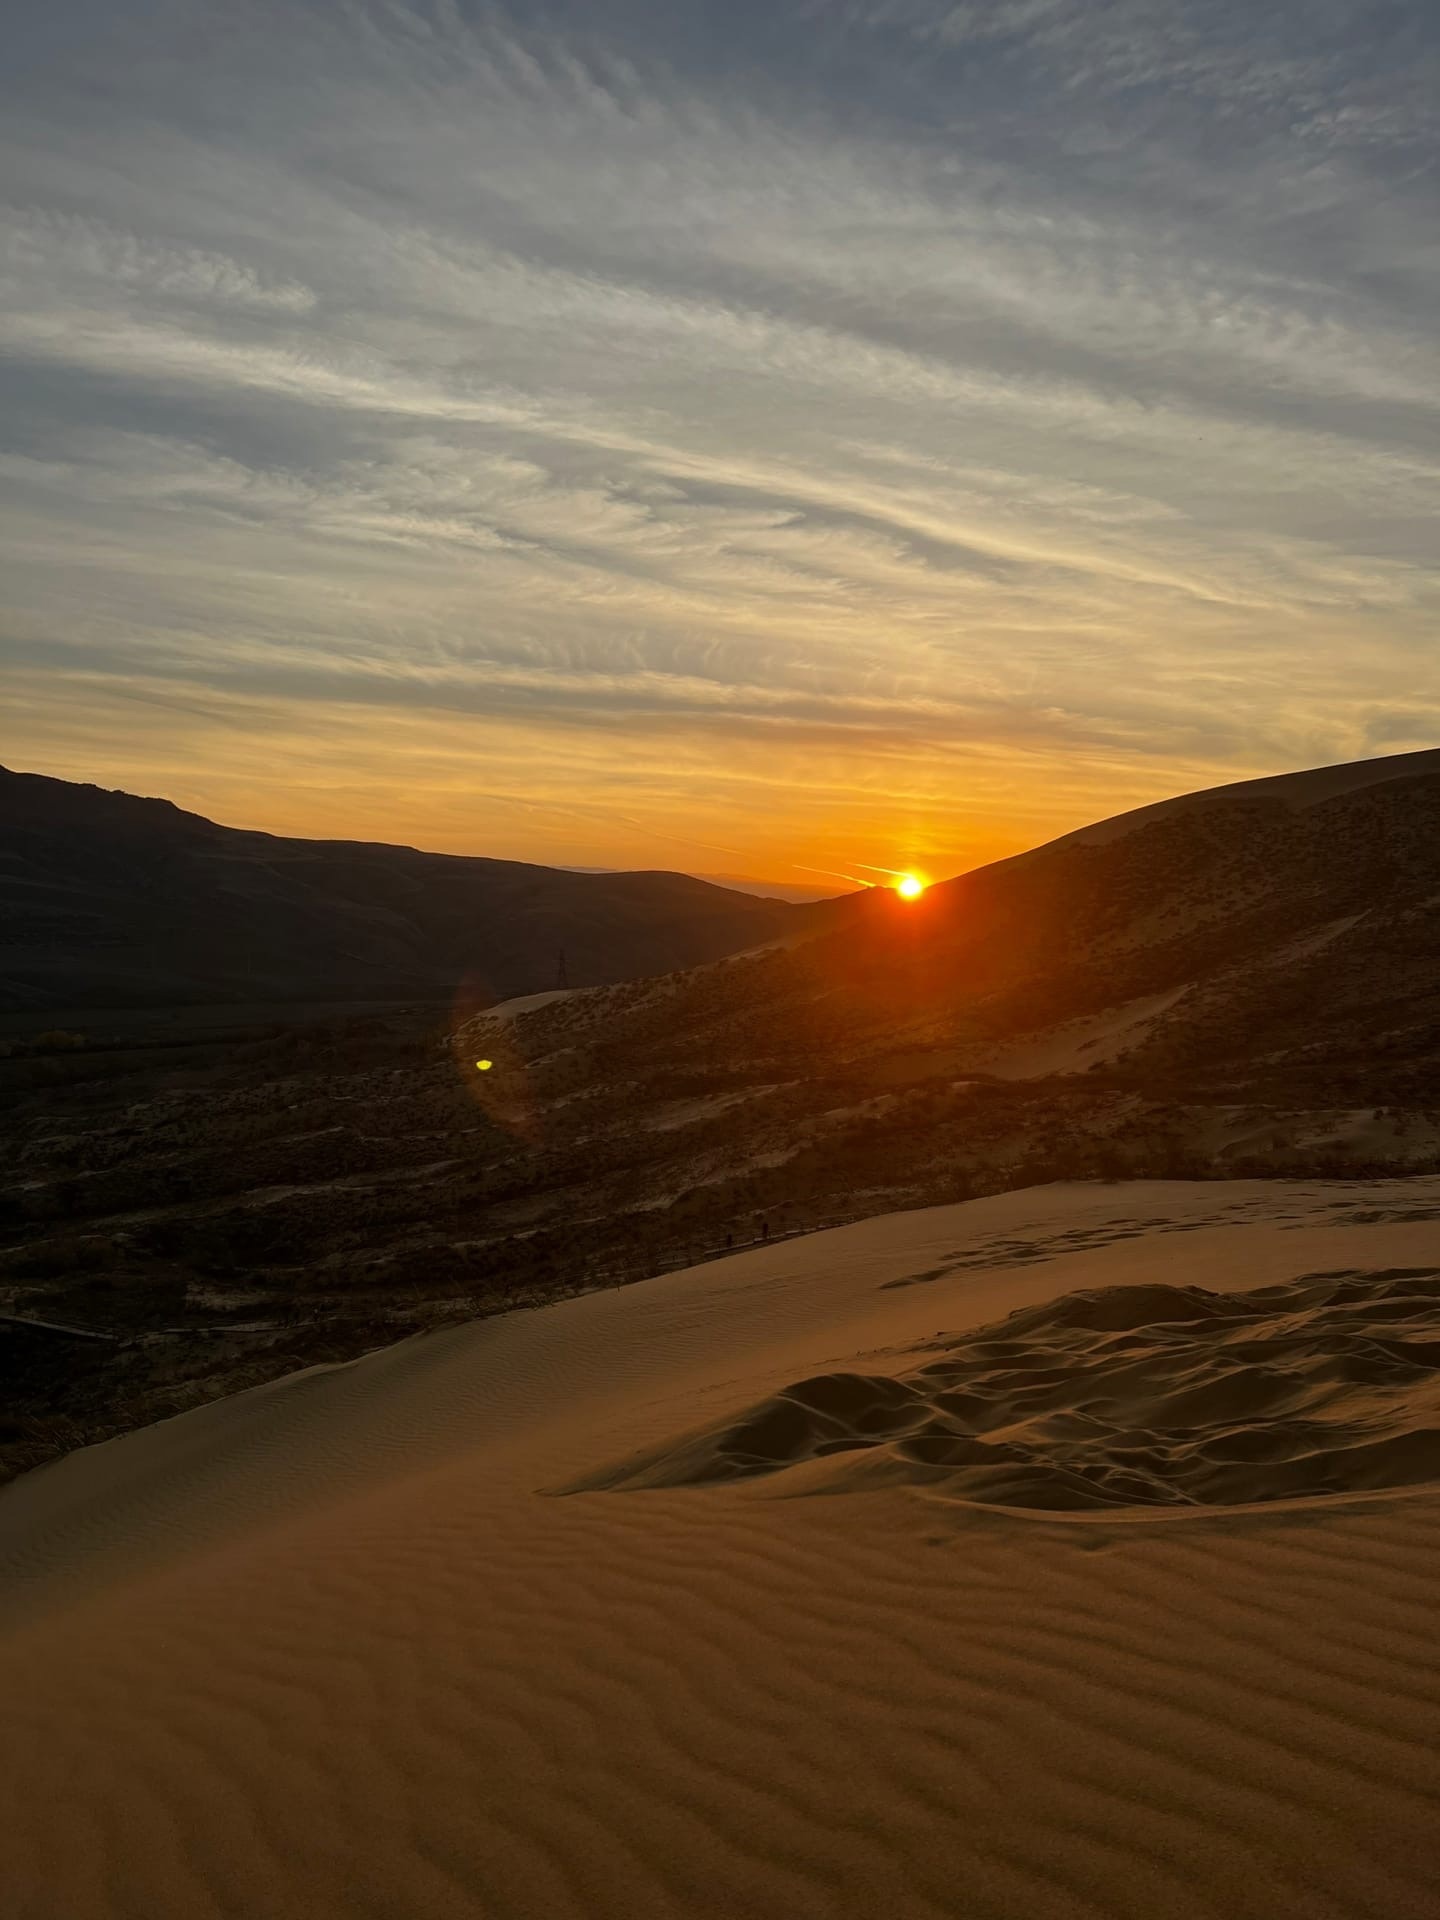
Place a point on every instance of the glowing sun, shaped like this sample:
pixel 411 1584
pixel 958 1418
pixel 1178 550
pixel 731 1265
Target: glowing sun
pixel 909 886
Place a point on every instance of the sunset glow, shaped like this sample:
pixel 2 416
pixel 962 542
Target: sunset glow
pixel 784 456
pixel 909 886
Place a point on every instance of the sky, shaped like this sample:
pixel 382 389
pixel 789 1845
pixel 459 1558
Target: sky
pixel 777 437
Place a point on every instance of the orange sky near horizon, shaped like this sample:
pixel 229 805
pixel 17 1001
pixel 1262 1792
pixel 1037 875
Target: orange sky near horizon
pixel 789 811
pixel 729 438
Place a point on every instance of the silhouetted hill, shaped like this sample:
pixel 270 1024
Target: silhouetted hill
pixel 1296 792
pixel 1281 934
pixel 108 899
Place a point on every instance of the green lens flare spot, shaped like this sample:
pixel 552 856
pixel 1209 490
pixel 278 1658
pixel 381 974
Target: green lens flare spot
pixel 484 1065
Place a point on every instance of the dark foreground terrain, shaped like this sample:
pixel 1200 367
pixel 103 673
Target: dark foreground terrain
pixel 1244 983
pixel 199 1205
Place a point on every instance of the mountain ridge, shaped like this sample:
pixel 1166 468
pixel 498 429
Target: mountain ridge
pixel 1307 787
pixel 117 899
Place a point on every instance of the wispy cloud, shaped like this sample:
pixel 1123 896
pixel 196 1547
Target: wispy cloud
pixel 936 421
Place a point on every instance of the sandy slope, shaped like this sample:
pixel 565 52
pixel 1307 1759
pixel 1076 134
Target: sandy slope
pixel 697 1598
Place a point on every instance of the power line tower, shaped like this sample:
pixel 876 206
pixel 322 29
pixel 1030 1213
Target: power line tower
pixel 562 972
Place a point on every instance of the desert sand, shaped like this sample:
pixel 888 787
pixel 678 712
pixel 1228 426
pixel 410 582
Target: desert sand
pixel 1069 1552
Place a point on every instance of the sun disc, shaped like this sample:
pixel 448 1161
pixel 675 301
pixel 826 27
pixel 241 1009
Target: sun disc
pixel 910 886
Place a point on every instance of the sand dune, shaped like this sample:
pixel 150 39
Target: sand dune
pixel 700 1598
pixel 1130 1396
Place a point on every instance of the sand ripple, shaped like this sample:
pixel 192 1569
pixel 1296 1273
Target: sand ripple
pixel 322 1652
pixel 1136 1395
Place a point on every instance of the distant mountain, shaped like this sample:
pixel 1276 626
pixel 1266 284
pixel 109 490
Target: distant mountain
pixel 108 899
pixel 779 889
pixel 743 883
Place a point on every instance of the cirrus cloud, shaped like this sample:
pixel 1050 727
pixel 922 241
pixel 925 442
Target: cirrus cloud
pixel 936 423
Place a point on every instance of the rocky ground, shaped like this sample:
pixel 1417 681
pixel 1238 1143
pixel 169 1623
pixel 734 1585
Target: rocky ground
pixel 199 1203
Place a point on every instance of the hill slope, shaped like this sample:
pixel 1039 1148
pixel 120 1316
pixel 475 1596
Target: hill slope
pixel 1282 932
pixel 112 900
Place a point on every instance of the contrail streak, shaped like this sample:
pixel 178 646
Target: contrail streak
pixel 829 873
pixel 680 840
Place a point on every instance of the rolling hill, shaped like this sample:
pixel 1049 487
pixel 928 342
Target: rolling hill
pixel 112 900
pixel 1281 933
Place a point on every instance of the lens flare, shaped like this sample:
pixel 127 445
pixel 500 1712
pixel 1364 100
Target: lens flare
pixel 909 886
pixel 484 1066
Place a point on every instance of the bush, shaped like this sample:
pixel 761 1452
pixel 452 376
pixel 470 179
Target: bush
pixel 57 1040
